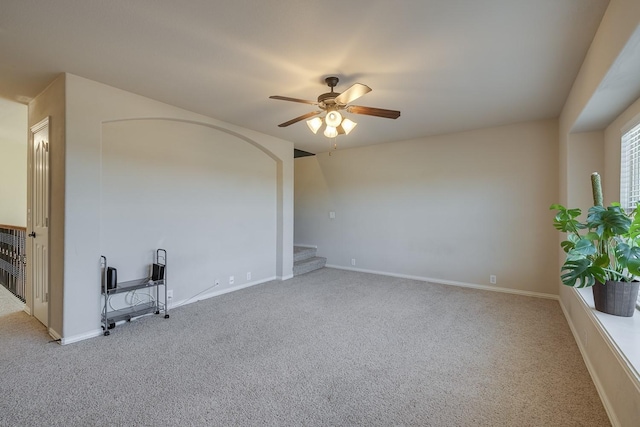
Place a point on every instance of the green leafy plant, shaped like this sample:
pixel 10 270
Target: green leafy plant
pixel 604 247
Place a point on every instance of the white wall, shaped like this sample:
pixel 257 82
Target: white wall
pixel 205 197
pixel 13 170
pixel 457 207
pixel 89 107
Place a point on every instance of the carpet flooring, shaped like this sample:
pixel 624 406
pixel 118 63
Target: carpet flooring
pixel 8 302
pixel 328 348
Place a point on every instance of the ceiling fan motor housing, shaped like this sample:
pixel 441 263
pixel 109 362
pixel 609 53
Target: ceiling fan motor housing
pixel 327 100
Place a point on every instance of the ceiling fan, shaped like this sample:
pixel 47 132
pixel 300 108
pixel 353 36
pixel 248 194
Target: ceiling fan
pixel 332 103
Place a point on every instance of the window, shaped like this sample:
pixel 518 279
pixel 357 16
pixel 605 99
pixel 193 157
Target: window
pixel 630 169
pixel 630 172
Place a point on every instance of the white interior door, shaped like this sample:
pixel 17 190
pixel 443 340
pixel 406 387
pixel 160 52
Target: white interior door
pixel 40 220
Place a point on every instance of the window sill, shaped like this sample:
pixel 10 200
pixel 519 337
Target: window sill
pixel 623 333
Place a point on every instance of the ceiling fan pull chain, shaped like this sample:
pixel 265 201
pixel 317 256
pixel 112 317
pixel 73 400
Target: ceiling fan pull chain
pixel 335 146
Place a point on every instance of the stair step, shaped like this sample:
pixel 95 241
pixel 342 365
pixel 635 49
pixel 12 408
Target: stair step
pixel 307 265
pixel 302 252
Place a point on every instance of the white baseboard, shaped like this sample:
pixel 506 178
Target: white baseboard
pixel 283 278
pixel 450 282
pixel 594 376
pixel 216 293
pixel 97 332
pixel 80 337
pixel 54 335
pixel 306 246
pixel 27 309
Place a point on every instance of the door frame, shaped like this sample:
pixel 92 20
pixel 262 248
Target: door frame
pixel 30 288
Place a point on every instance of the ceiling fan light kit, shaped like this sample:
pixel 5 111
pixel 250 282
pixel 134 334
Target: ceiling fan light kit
pixel 333 119
pixel 330 103
pixel 330 132
pixel 314 124
pixel 347 125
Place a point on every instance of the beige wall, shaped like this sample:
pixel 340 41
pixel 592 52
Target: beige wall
pixel 95 132
pixel 13 172
pixel 89 106
pixel 581 154
pixel 13 181
pixel 452 208
pixel 618 24
pixel 585 156
pixel 205 196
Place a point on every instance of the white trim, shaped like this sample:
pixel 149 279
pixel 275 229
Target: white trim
pixel 208 295
pixel 630 167
pixel 306 246
pixel 606 335
pixel 587 361
pixel 27 309
pixel 630 124
pixel 450 282
pixel 81 337
pixel 283 278
pixel 96 332
pixel 54 334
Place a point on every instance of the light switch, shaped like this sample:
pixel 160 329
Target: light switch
pixel 332 215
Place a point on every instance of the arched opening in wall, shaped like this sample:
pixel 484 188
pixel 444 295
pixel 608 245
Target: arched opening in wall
pixel 13 204
pixel 207 196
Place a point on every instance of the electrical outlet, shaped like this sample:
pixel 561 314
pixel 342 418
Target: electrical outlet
pixel 170 294
pixel 492 279
pixel 249 275
pixel 353 261
pixel 231 280
pixel 216 282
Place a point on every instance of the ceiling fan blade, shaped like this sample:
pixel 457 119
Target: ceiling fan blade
pixel 370 111
pixel 297 119
pixel 286 98
pixel 354 92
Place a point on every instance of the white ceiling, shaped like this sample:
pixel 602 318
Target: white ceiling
pixel 448 65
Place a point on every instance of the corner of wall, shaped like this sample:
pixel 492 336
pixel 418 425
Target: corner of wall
pixel 51 102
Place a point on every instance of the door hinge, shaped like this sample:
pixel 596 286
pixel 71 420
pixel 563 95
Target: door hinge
pixel 46 297
pixel 46 222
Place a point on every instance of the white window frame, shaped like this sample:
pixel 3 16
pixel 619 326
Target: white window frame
pixel 630 172
pixel 630 168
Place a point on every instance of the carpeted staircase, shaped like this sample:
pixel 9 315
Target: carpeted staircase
pixel 305 260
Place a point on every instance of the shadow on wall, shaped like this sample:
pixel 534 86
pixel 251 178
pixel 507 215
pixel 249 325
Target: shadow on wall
pixel 196 191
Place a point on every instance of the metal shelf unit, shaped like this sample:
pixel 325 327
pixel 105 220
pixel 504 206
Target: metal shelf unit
pixel 110 317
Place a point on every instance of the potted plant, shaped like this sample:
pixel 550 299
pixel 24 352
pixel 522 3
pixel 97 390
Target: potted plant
pixel 603 252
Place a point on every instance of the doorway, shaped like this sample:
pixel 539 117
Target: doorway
pixel 38 217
